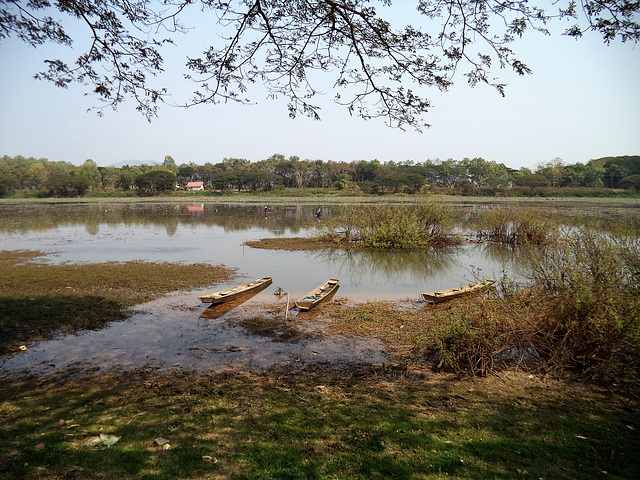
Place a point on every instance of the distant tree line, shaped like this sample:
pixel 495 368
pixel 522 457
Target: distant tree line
pixel 41 177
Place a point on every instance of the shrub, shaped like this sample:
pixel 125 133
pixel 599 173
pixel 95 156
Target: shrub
pixel 391 226
pixel 580 313
pixel 591 285
pixel 515 226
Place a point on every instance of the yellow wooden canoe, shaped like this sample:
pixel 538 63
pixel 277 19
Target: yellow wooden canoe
pixel 235 292
pixel 443 295
pixel 317 295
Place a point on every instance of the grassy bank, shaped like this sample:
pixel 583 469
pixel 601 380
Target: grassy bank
pixel 39 299
pixel 374 423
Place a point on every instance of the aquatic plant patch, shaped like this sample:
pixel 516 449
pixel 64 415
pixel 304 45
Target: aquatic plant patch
pixel 38 299
pixel 516 226
pixel 386 226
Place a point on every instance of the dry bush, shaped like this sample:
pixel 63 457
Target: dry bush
pixel 386 226
pixel 581 313
pixel 515 226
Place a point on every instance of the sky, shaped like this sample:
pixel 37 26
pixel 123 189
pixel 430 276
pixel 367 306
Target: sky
pixel 582 102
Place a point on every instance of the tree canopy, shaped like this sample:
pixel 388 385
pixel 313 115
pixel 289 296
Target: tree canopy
pixel 476 176
pixel 377 68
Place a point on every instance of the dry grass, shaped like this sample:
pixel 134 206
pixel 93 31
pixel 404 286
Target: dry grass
pixel 293 244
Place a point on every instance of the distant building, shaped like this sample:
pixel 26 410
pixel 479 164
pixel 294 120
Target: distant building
pixel 194 186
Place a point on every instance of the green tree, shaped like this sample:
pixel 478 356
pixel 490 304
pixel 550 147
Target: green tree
pixel 413 176
pixel 156 181
pixel 170 164
pixel 38 174
pixel 63 184
pixel 378 68
pixel 226 180
pixel 366 171
pixel 90 171
pixel 128 176
pixel 9 180
pixel 552 171
pixel 483 173
pixel 616 168
pixel 449 172
pixel 110 177
pixel 632 181
pixel 187 173
pixel 581 175
pixel 532 180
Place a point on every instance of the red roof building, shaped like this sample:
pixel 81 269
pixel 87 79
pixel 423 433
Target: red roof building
pixel 195 186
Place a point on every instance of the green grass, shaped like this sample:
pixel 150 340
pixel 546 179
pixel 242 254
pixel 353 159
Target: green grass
pixel 356 424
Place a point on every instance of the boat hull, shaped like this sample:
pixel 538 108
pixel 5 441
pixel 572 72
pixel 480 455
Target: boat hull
pixel 224 296
pixel 317 295
pixel 451 293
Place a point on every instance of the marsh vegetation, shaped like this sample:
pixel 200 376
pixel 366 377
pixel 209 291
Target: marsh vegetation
pixel 384 226
pixel 516 226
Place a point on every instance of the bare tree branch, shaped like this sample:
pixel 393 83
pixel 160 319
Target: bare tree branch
pixel 376 69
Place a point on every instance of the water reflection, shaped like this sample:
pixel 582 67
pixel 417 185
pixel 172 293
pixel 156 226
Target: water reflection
pixel 394 265
pixel 37 218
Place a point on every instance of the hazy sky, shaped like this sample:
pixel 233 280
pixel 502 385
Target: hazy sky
pixel 581 102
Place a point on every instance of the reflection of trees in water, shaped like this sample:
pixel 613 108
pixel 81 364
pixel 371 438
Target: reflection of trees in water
pixel 513 258
pixel 279 220
pixel 238 217
pixel 390 264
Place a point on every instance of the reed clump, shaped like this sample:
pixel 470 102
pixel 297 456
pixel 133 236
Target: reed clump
pixel 515 226
pixel 386 226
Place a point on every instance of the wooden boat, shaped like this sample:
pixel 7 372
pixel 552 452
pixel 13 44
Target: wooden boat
pixel 451 293
pixel 235 292
pixel 317 295
pixel 214 311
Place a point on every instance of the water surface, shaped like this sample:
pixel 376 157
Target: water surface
pixel 178 331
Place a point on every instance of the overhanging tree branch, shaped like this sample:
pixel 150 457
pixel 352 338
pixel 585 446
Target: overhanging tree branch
pixel 376 69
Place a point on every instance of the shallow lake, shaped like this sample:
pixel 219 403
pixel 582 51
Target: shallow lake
pixel 215 233
pixel 178 331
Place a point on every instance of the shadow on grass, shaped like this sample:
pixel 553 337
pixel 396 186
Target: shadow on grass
pixel 320 424
pixel 24 319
